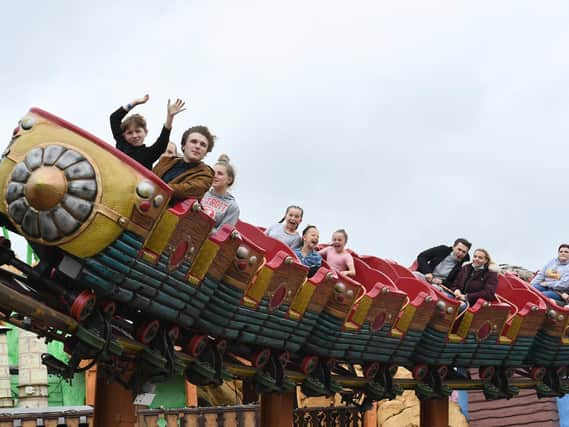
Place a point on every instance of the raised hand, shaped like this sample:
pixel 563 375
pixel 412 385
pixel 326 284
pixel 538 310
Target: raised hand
pixel 142 100
pixel 176 107
pixel 172 110
pixel 135 102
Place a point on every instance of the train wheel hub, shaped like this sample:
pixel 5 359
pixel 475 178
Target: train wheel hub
pixel 46 187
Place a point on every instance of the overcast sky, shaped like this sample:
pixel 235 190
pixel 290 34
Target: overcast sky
pixel 407 123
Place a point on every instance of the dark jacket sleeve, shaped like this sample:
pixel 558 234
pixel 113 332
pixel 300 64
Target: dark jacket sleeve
pixel 459 279
pixel 488 291
pixel 427 255
pixel 453 274
pixel 154 152
pixel 116 119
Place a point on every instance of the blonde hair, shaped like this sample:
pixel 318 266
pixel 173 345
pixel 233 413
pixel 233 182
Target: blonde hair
pixel 486 254
pixel 223 160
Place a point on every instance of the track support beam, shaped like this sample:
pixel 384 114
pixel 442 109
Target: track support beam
pixel 434 413
pixel 277 409
pixel 113 405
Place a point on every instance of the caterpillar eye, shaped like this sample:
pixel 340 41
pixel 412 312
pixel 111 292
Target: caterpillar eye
pixel 145 190
pixel 27 122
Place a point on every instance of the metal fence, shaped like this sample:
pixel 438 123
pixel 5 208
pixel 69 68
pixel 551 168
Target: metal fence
pixel 336 416
pixel 68 416
pixel 215 416
pixel 247 416
pixel 221 416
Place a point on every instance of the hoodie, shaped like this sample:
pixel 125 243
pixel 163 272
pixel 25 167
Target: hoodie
pixel 555 274
pixel 223 209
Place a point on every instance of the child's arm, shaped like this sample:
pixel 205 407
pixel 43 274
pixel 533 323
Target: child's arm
pixel 156 149
pixel 118 115
pixel 351 271
pixel 135 102
pixel 172 110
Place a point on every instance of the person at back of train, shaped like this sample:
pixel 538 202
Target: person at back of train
pixel 130 133
pixel 189 176
pixel 553 279
pixel 218 202
pixel 440 265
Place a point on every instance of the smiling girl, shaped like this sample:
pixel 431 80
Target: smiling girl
pixel 286 229
pixel 477 279
pixel 218 202
pixel 337 256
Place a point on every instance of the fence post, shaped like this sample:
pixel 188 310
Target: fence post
pixel 277 409
pixel 370 416
pixel 191 394
pixel 114 405
pixel 434 413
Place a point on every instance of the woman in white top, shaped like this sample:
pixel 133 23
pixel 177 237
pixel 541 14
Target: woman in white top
pixel 286 230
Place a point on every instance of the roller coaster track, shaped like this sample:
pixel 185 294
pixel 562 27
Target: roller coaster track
pixel 28 313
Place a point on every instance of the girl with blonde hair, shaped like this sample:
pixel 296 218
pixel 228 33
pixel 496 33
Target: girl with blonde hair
pixel 477 279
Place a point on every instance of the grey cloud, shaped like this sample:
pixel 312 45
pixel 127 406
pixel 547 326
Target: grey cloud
pixel 408 124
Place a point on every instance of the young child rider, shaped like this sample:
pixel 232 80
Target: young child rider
pixel 130 133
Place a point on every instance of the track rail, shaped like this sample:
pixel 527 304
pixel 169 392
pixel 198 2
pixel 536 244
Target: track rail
pixel 21 309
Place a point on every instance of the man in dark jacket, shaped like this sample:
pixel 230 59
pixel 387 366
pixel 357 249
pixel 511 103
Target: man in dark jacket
pixel 440 265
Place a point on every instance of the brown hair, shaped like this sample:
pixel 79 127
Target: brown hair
pixel 288 209
pixel 135 120
pixel 563 245
pixel 342 231
pixel 463 241
pixel 203 130
pixel 307 229
pixel 223 160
